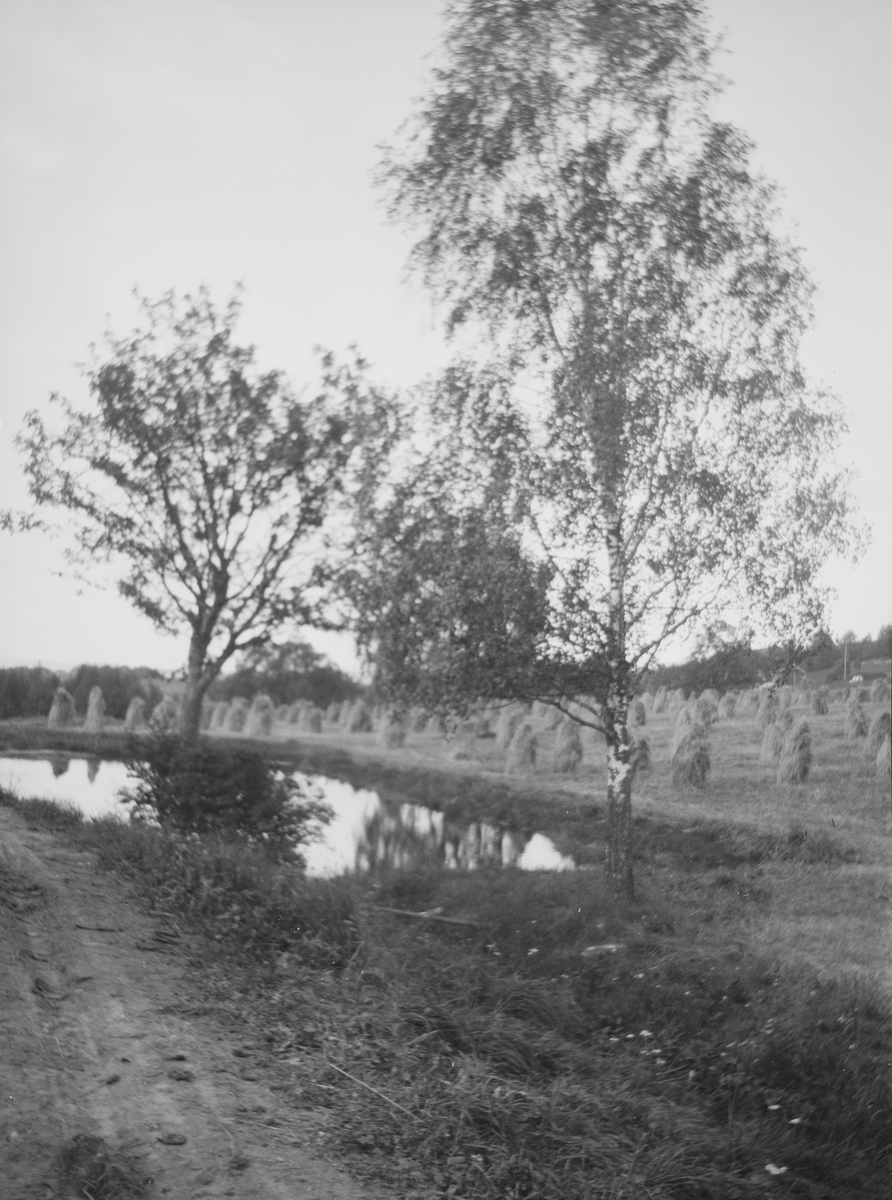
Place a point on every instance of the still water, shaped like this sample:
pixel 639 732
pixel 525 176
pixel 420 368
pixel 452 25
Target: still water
pixel 366 833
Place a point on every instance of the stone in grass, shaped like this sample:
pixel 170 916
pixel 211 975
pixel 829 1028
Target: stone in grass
pixel 567 747
pixel 772 745
pixel 61 714
pixel 521 756
pixel 689 760
pixel 880 728
pixel 795 755
pixel 855 724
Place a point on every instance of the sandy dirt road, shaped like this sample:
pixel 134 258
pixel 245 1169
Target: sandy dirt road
pixel 94 1044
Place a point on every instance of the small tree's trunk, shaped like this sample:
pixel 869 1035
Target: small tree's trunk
pixel 619 744
pixel 619 796
pixel 198 680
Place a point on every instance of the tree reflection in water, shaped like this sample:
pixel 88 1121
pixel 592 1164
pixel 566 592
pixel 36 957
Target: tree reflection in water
pixel 408 835
pixel 60 764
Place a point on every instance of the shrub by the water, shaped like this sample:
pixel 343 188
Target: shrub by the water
pixel 637 712
pixel 795 755
pixel 136 715
pixel 689 759
pixel 880 729
pixel 259 721
pixel 884 759
pixel 95 718
pixel 521 756
pixel 567 747
pixel 203 789
pixel 819 704
pixel 727 706
pixel 855 724
pixel 772 744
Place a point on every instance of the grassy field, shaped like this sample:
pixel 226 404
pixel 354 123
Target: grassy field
pixel 726 1035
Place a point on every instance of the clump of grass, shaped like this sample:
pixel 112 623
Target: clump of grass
pixel 259 721
pixel 795 755
pixel 689 759
pixel 855 723
pixel 880 728
pixel 567 747
pixel 772 744
pixel 521 756
pixel 61 714
pixel 90 1167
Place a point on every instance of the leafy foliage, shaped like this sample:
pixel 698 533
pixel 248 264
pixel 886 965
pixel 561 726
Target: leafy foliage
pixel 286 673
pixel 202 789
pixel 632 395
pixel 208 482
pixel 26 692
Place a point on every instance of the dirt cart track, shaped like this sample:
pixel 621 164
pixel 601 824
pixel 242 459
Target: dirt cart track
pixel 91 1043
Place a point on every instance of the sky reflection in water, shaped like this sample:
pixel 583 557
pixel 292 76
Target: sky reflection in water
pixel 365 834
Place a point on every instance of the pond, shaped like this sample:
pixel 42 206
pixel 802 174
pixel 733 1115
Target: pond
pixel 365 834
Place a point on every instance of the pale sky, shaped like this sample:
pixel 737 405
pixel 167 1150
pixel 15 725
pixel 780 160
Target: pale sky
pixel 165 143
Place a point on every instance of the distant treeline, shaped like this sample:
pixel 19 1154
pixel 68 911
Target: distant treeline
pixel 736 667
pixel 28 691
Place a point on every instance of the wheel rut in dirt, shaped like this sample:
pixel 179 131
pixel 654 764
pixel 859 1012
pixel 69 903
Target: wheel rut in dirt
pixel 96 1052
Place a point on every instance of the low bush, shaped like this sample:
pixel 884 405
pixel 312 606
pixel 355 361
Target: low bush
pixel 207 789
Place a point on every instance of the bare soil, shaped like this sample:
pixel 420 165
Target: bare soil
pixel 106 1056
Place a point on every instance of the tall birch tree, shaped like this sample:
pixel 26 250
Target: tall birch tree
pixel 631 310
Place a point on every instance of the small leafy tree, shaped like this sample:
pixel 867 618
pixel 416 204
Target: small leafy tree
pixel 206 481
pixel 632 394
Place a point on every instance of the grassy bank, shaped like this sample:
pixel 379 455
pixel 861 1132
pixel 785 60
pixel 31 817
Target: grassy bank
pixel 547 1042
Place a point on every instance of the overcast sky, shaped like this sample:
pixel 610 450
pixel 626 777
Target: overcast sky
pixel 165 143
